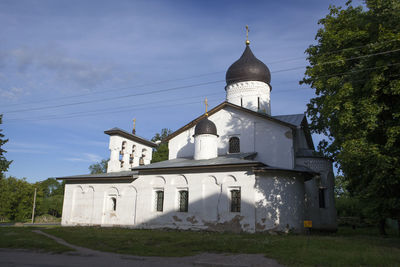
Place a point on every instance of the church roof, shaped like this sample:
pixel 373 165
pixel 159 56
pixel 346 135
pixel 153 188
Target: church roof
pixel 248 68
pixel 287 120
pixel 294 119
pixel 230 160
pixel 98 176
pixel 127 135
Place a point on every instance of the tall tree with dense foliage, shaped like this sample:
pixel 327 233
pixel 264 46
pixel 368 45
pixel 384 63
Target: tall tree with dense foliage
pixel 16 198
pixel 4 163
pixel 355 70
pixel 99 167
pixel 161 152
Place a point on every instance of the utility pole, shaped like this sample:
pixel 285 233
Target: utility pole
pixel 34 204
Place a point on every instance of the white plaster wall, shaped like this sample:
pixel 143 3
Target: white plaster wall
pixel 272 141
pixel 268 202
pixel 206 146
pixel 247 94
pixel 209 202
pixel 117 154
pixel 90 204
pixel 279 201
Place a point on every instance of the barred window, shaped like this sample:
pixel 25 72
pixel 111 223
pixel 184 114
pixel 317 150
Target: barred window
pixel 234 145
pixel 321 194
pixel 183 200
pixel 159 200
pixel 235 200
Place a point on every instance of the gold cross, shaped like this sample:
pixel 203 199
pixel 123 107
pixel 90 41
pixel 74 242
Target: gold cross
pixel 134 124
pixel 247 35
pixel 206 103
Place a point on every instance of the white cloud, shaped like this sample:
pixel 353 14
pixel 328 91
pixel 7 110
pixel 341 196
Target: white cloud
pixel 26 151
pixel 11 94
pixel 85 157
pixel 54 61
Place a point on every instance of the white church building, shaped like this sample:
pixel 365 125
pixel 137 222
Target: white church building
pixel 235 168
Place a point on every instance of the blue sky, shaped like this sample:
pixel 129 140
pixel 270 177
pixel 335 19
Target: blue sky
pixel 71 69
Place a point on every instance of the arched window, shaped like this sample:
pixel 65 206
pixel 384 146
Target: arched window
pixel 159 200
pixel 183 200
pixel 144 155
pixel 113 204
pixel 234 145
pixel 132 154
pixel 235 200
pixel 121 153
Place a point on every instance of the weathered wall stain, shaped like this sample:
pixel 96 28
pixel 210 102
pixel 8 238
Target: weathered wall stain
pixel 192 219
pixel 176 218
pixel 228 226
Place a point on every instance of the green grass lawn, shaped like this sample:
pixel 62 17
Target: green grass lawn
pixel 345 248
pixel 24 238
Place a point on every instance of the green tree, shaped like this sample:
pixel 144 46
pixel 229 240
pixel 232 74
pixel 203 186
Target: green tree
pixel 4 163
pixel 99 167
pixel 354 68
pixel 50 197
pixel 16 199
pixel 161 152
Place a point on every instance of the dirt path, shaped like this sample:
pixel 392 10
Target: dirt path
pixel 88 257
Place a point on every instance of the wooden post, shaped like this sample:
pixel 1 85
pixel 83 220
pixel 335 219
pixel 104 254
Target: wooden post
pixel 34 204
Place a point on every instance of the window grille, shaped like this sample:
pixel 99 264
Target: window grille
pixel 234 145
pixel 321 194
pixel 183 200
pixel 159 200
pixel 235 200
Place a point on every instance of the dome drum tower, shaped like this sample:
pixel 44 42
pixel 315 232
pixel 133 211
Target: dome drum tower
pixel 248 83
pixel 205 140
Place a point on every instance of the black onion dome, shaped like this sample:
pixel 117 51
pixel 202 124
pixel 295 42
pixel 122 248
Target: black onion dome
pixel 205 126
pixel 248 68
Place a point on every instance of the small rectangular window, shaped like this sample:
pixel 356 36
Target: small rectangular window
pixel 235 200
pixel 258 103
pixel 183 200
pixel 321 194
pixel 159 200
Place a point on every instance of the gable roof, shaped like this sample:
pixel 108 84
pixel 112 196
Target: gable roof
pixel 222 106
pixel 127 135
pixel 287 120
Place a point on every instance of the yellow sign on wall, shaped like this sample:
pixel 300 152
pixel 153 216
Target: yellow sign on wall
pixel 307 224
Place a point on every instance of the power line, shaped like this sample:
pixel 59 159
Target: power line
pixel 125 108
pixel 168 89
pixel 113 98
pixel 211 73
pixel 107 112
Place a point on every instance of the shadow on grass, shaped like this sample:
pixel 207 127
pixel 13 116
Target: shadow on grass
pixel 338 249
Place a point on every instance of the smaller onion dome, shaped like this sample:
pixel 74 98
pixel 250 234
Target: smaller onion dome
pixel 205 126
pixel 248 68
